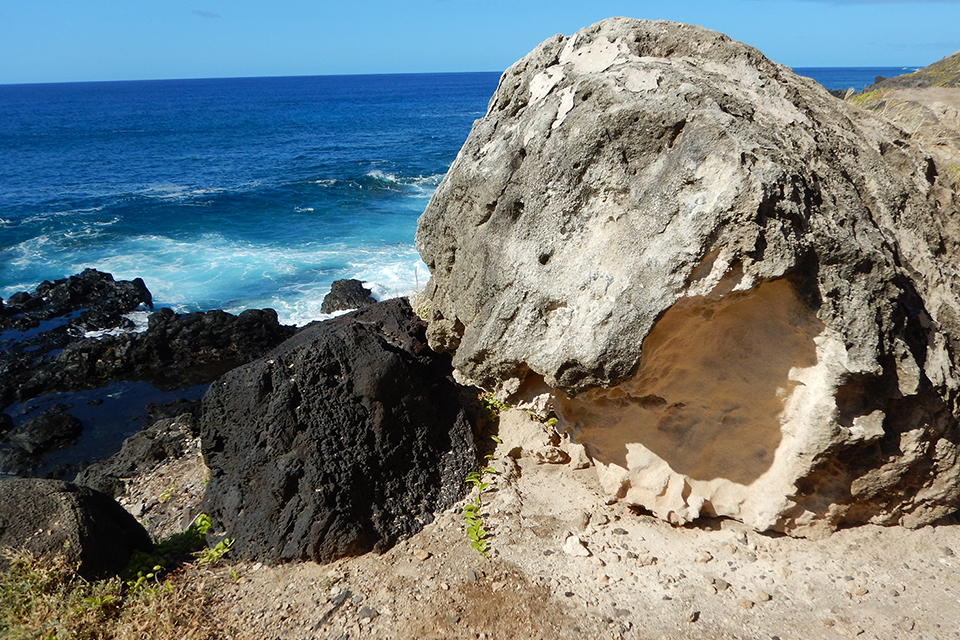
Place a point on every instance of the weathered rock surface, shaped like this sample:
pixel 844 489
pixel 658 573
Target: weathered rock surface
pixel 345 295
pixel 344 439
pixel 54 517
pixel 22 447
pixel 740 291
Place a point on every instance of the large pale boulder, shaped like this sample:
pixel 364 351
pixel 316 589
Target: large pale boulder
pixel 740 292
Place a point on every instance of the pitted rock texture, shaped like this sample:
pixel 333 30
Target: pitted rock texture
pixel 740 292
pixel 345 439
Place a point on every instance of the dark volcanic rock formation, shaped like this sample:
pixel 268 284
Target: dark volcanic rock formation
pixel 43 348
pixel 344 439
pixel 346 294
pixel 53 429
pixel 53 517
pixel 140 453
pixel 741 292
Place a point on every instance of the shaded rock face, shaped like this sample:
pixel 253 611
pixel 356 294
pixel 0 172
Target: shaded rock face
pixel 55 517
pixel 738 291
pixel 45 348
pixel 344 439
pixel 161 441
pixel 346 294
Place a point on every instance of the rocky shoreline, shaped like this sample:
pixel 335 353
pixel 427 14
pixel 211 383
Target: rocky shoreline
pixel 709 305
pixel 71 346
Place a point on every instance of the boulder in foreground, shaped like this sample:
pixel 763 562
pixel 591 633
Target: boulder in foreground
pixel 739 292
pixel 52 517
pixel 346 438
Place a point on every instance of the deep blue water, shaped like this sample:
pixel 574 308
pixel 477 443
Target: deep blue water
pixel 237 193
pixel 229 193
pixel 847 77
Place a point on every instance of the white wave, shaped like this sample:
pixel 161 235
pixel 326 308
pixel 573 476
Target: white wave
pixel 303 209
pixel 212 271
pixel 385 177
pixel 141 321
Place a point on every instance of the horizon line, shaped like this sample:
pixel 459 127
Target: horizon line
pixel 352 75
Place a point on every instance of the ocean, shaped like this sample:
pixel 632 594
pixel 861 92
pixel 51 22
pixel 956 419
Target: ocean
pixel 238 193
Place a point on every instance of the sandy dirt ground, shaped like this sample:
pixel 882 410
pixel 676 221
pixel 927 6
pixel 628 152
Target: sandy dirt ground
pixel 565 564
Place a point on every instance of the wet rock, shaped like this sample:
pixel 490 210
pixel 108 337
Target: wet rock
pixel 51 430
pixel 344 439
pixel 345 295
pixel 176 351
pixel 54 517
pixel 740 289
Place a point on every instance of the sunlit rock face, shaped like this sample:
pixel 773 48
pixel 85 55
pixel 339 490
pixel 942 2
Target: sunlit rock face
pixel 738 292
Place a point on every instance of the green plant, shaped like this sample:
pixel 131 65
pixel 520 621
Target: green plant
pixel 473 510
pixel 863 98
pixel 166 495
pixel 490 406
pixel 46 598
pixel 212 556
pixel 953 170
pixel 178 549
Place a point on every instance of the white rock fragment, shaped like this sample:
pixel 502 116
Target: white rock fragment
pixel 574 546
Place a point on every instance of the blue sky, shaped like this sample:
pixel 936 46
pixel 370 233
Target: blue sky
pixel 74 40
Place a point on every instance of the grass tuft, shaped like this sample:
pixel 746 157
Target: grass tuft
pixel 158 597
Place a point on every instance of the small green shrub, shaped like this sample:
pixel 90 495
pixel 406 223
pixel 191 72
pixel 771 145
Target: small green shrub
pixel 491 407
pixel 472 511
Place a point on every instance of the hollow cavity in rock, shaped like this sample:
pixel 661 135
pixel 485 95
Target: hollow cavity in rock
pixel 720 387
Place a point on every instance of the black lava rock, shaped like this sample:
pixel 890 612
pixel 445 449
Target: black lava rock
pixel 176 351
pixel 345 439
pixel 51 430
pixel 55 517
pixel 346 294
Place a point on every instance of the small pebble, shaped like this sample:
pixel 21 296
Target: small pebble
pixel 620 531
pixel 704 557
pixel 421 554
pixel 905 624
pixel 692 615
pixel 745 603
pixel 720 584
pixel 763 596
